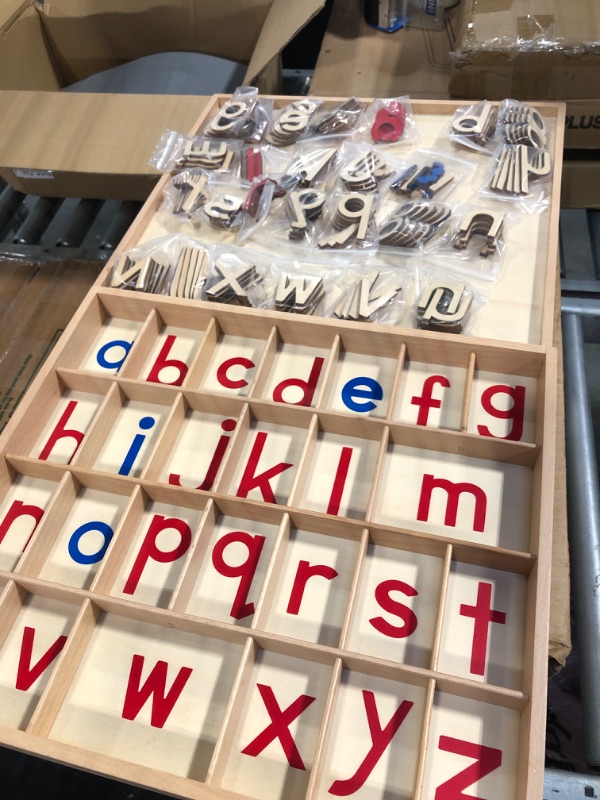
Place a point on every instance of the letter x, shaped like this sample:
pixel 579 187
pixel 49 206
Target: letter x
pixel 279 726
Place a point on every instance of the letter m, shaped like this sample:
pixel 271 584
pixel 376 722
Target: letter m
pixel 453 492
pixel 155 687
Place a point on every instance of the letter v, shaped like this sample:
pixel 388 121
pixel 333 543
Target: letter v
pixel 27 674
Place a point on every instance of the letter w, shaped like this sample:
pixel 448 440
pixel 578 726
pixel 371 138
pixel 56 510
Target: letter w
pixel 154 687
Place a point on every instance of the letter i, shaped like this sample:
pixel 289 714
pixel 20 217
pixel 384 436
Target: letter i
pixel 138 440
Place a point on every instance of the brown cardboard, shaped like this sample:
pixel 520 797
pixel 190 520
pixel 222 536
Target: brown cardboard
pixel 356 59
pixel 580 186
pixel 37 303
pixel 98 146
pixel 545 52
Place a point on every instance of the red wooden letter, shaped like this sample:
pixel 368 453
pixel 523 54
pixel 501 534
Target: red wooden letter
pixel 308 387
pixel 230 383
pixel 19 509
pixel 155 687
pixel 279 726
pixel 380 739
pixel 149 549
pixel 252 481
pixel 244 571
pixel 162 362
pixel 339 482
pixel 303 573
pixel 487 759
pixel 516 413
pixel 406 614
pixel 426 401
pixel 483 615
pixel 60 432
pixel 215 462
pixel 454 491
pixel 28 673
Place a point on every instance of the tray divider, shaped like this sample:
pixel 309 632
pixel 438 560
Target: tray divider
pixel 308 451
pixel 468 392
pixel 197 553
pixel 44 536
pixel 166 440
pixel 64 671
pixel 265 365
pixel 383 448
pixel 324 732
pixel 272 575
pixel 425 728
pixel 402 357
pixel 136 358
pixel 441 609
pixel 232 715
pixel 121 541
pixel 99 429
pixel 354 587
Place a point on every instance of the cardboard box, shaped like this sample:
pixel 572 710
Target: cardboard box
pixel 542 51
pixel 356 59
pixel 580 186
pixel 98 145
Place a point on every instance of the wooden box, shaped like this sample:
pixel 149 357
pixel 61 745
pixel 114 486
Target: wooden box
pixel 254 555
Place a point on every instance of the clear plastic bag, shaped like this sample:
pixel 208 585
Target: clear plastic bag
pixel 374 292
pixel 413 224
pixel 238 276
pixel 364 169
pixel 474 127
pixel 476 245
pixel 311 164
pixel 521 123
pixel 521 175
pixel 389 121
pixel 340 118
pixel 446 303
pixel 186 192
pixel 235 118
pixel 307 286
pixel 256 206
pixel 431 175
pixel 176 152
pixel 174 265
pixel 261 161
pixel 349 222
pixel 293 122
